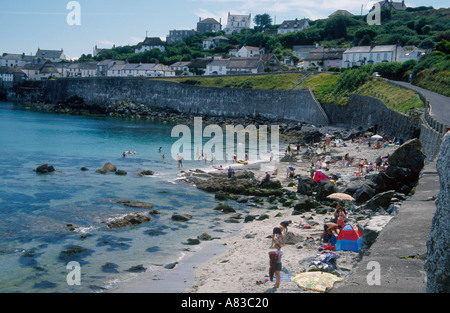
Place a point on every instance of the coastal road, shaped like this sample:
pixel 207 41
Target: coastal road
pixel 440 105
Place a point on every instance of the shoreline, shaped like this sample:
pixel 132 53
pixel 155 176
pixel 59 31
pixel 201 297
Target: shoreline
pixel 239 263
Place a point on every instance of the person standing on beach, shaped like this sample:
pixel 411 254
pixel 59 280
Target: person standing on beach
pixel 279 266
pixel 278 232
pixel 180 160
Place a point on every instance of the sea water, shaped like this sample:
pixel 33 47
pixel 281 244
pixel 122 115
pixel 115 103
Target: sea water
pixel 36 211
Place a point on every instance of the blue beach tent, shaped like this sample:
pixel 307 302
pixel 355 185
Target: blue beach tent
pixel 349 239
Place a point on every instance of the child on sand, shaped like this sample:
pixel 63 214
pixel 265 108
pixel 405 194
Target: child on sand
pixel 278 269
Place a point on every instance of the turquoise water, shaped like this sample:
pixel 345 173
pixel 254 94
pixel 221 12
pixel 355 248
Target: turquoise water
pixel 35 209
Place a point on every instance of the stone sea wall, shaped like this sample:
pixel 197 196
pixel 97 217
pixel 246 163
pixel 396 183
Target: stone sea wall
pixel 270 104
pixel 438 245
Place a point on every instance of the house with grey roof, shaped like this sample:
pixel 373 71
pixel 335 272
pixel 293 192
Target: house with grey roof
pixel 292 26
pixel 340 12
pixel 208 25
pixel 373 54
pixel 253 65
pixel 150 43
pixel 178 35
pixel 40 69
pixel 302 51
pixel 323 58
pixel 82 69
pixel 105 65
pixel 213 42
pixel 11 76
pixel 181 67
pixel 13 59
pixel 51 55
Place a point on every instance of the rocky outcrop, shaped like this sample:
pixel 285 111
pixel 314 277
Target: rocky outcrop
pixel 132 219
pixel 438 245
pixel 107 168
pixel 44 169
pixel 181 217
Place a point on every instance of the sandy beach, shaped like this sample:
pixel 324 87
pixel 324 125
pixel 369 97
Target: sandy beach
pixel 244 266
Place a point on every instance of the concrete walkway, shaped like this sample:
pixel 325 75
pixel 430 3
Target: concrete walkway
pixel 404 236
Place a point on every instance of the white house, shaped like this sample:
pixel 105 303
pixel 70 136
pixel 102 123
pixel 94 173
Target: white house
pixel 140 70
pixel 180 68
pixel 40 69
pixel 371 55
pixel 213 42
pixel 13 60
pixel 150 43
pixel 105 65
pixel 116 70
pixel 248 52
pixel 82 69
pixel 217 67
pixel 236 23
pixel 292 26
pixel 9 76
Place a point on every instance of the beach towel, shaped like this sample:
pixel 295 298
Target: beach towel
pixel 326 262
pixel 284 277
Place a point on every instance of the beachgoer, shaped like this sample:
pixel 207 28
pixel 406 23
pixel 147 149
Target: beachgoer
pixel 279 266
pixel 312 171
pixel 230 172
pixel 278 233
pixel 180 160
pixel 124 154
pixel 285 224
pixel 378 162
pixel 290 171
pixel 329 229
pixel 298 147
pixel 159 150
pixel 328 161
pixel 265 179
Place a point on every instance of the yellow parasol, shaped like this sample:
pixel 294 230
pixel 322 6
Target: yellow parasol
pixel 315 281
pixel 341 196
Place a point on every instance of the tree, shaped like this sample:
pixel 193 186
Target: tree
pixel 443 46
pixel 336 27
pixel 262 21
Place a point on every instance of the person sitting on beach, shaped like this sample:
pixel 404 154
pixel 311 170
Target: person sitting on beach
pixel 278 233
pixel 265 178
pixel 330 229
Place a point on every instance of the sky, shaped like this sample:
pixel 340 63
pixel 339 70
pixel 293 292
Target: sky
pixel 78 26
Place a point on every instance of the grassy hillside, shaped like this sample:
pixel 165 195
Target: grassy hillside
pixel 328 88
pixel 290 81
